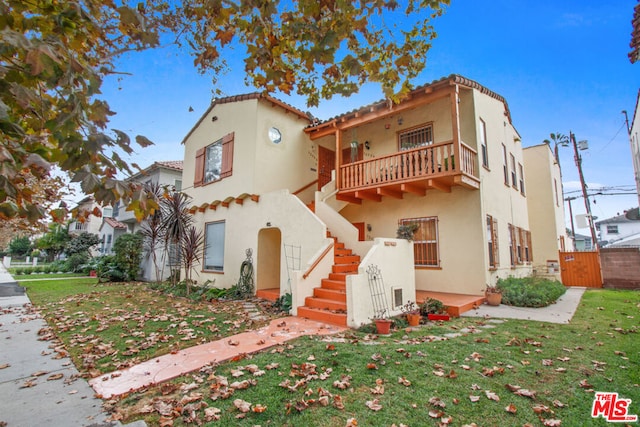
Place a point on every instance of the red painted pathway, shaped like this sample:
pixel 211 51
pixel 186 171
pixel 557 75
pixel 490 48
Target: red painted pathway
pixel 170 366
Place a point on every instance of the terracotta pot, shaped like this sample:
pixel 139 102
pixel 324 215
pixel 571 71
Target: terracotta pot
pixel 93 273
pixel 433 316
pixel 493 298
pixel 383 326
pixel 413 319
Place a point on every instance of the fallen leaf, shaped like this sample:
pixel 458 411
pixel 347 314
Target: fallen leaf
pixel 434 413
pixel 351 422
pixel 4 366
pixel 492 396
pixel 258 408
pixel 55 377
pixel 374 404
pixel 437 402
pixel 511 408
pixel 28 384
pixel 558 404
pixel 540 408
pixel 526 393
pixel 474 398
pixel 243 406
pixel 551 423
pixel 212 414
pixel 405 382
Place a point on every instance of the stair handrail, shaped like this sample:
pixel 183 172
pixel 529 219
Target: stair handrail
pixel 317 260
pixel 295 193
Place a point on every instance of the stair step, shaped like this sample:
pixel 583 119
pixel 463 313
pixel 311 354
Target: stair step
pixel 325 316
pixel 342 252
pixel 331 294
pixel 327 304
pixel 338 285
pixel 338 245
pixel 345 268
pixel 339 277
pixel 268 294
pixel 347 259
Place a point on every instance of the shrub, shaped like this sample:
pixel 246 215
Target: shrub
pixel 28 270
pixel 432 306
pixel 283 303
pixel 75 262
pixel 108 270
pixel 48 269
pixel 128 249
pixel 58 265
pixel 530 291
pixel 18 271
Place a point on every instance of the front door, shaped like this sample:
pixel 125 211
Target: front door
pixel 326 163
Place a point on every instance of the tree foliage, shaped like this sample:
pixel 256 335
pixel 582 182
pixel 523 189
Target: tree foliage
pixel 54 56
pixel 54 241
pixel 20 246
pixel 128 254
pixel 81 244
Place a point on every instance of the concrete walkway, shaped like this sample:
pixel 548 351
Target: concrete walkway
pixel 39 385
pixel 560 312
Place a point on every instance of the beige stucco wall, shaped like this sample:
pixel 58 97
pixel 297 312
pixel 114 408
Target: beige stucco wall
pixel 546 213
pixel 503 202
pixel 276 210
pixel 259 166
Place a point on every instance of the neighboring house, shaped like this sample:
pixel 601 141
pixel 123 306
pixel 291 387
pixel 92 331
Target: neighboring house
pixel 166 174
pixel 88 220
pixel 109 231
pixel 634 141
pixel 621 230
pixel 582 242
pixel 302 195
pixel 545 208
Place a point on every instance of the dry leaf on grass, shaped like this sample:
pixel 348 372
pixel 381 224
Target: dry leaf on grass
pixel 492 396
pixel 243 406
pixel 374 404
pixel 511 408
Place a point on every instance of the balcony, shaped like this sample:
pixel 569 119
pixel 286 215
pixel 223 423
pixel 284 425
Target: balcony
pixel 414 171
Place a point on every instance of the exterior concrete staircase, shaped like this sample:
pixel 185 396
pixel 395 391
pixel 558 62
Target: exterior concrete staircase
pixel 329 302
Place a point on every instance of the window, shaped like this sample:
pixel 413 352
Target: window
pixel 425 241
pixel 116 209
pixel 512 247
pixel 521 175
pixel 505 168
pixel 492 238
pixel 483 144
pixel 520 246
pixel 215 161
pixel 555 190
pixel 177 184
pixel 416 137
pixel 214 246
pixel 514 179
pixel 612 229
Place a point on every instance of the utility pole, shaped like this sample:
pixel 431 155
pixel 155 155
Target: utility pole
pixel 573 229
pixel 587 204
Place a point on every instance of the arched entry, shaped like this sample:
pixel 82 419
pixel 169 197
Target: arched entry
pixel 268 260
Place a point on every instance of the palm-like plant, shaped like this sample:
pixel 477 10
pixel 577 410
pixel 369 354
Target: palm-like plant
pixel 176 220
pixel 152 231
pixel 191 245
pixel 557 139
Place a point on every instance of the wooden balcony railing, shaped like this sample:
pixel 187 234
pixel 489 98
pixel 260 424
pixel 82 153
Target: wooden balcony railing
pixel 418 164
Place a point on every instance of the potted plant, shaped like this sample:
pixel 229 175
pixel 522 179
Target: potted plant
pixel 406 231
pixel 434 309
pixel 412 312
pixel 493 295
pixel 383 324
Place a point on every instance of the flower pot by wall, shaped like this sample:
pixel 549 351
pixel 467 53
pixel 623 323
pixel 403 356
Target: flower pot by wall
pixel 413 319
pixel 493 298
pixel 383 326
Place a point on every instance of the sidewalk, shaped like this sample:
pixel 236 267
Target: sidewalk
pixel 39 386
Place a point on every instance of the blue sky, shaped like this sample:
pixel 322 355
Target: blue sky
pixel 561 65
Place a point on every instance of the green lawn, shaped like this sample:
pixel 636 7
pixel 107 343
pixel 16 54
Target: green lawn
pixel 107 326
pixel 413 378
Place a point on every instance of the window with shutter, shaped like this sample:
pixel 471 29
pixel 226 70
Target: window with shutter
pixel 492 238
pixel 214 161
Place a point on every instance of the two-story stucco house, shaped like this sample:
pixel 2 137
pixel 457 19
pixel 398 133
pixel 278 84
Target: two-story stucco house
pixel 319 202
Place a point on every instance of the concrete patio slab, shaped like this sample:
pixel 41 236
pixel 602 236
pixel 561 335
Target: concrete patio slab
pixel 560 312
pixel 170 366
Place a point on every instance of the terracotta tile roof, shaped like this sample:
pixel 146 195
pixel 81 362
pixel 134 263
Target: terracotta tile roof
pixel 436 84
pixel 245 97
pixel 171 164
pixel 115 224
pixel 634 55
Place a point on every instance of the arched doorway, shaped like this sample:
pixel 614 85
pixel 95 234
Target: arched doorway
pixel 268 261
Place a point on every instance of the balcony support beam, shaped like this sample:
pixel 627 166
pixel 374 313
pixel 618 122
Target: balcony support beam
pixel 368 196
pixel 389 193
pixel 410 188
pixel 439 185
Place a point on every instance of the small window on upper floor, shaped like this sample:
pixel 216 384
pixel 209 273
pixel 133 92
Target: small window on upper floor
pixel 415 137
pixel 483 144
pixel 177 184
pixel 612 229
